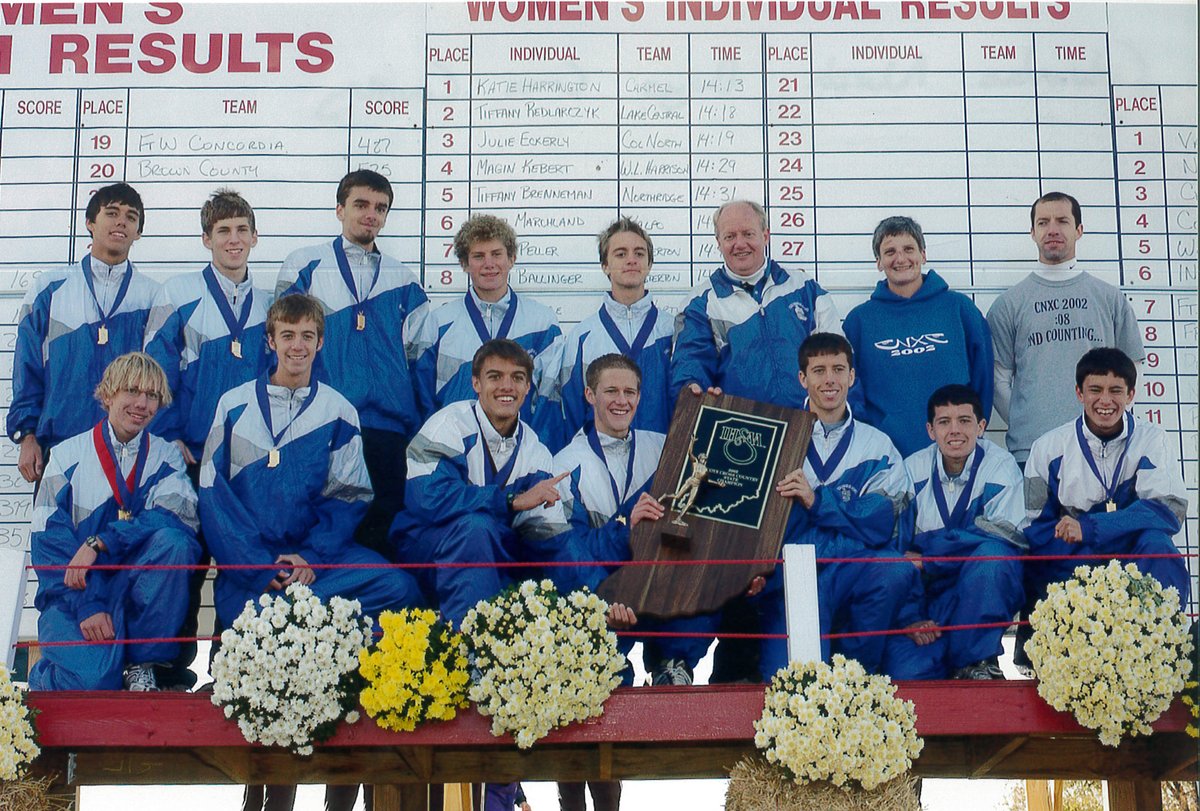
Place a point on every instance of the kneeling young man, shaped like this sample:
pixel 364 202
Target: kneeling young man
pixel 114 494
pixel 283 480
pixel 610 466
pixel 1105 483
pixel 970 501
pixel 479 488
pixel 848 497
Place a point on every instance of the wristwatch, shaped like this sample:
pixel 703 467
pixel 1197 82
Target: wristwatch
pixel 95 543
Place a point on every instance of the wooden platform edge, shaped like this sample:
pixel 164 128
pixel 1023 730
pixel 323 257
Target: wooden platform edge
pixel 993 730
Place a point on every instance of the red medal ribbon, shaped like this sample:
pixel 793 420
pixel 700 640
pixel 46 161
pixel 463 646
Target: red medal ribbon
pixel 122 489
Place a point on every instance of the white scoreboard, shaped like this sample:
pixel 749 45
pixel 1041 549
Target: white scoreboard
pixel 559 116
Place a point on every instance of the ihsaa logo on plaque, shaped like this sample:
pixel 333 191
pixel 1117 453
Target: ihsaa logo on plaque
pixel 742 455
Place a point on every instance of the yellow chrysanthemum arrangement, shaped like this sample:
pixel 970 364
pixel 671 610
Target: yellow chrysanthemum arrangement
pixel 1111 646
pixel 416 672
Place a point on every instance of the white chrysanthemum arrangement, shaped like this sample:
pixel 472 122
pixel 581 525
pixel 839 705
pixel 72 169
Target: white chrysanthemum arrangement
pixel 835 723
pixel 287 671
pixel 18 742
pixel 1111 646
pixel 545 660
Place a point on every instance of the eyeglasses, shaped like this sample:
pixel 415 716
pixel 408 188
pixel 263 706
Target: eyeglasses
pixel 152 396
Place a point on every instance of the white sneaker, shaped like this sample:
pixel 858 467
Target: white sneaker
pixel 140 679
pixel 985 670
pixel 673 672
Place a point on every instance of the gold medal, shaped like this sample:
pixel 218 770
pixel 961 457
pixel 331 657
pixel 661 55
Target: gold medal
pixel 103 339
pixel 621 520
pixel 273 457
pixel 124 515
pixel 235 346
pixel 1110 506
pixel 361 322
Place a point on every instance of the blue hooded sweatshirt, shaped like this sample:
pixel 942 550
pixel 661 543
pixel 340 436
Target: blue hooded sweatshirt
pixel 907 348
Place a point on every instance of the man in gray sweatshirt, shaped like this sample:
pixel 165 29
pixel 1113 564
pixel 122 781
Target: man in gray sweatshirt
pixel 1046 322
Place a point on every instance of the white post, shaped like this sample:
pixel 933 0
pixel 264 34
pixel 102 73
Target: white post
pixel 12 583
pixel 800 602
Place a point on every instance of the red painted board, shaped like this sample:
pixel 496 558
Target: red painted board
pixel 632 715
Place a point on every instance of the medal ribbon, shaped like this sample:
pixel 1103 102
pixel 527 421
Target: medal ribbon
pixel 121 290
pixel 123 490
pixel 481 328
pixel 955 519
pixel 639 342
pixel 1110 488
pixel 593 438
pixel 343 264
pixel 235 324
pixel 264 405
pixel 490 474
pixel 825 469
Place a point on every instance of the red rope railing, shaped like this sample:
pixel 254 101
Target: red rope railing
pixel 632 633
pixel 106 567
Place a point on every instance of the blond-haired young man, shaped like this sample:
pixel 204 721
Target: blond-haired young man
pixel 114 494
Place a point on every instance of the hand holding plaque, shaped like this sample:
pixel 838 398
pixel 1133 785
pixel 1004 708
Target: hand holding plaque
pixel 718 471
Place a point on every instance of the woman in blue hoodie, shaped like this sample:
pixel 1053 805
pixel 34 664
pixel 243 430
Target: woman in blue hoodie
pixel 911 337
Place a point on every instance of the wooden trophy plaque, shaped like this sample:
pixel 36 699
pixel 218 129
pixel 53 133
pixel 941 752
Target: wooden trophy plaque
pixel 722 459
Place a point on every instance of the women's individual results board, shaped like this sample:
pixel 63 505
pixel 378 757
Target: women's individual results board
pixel 560 116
